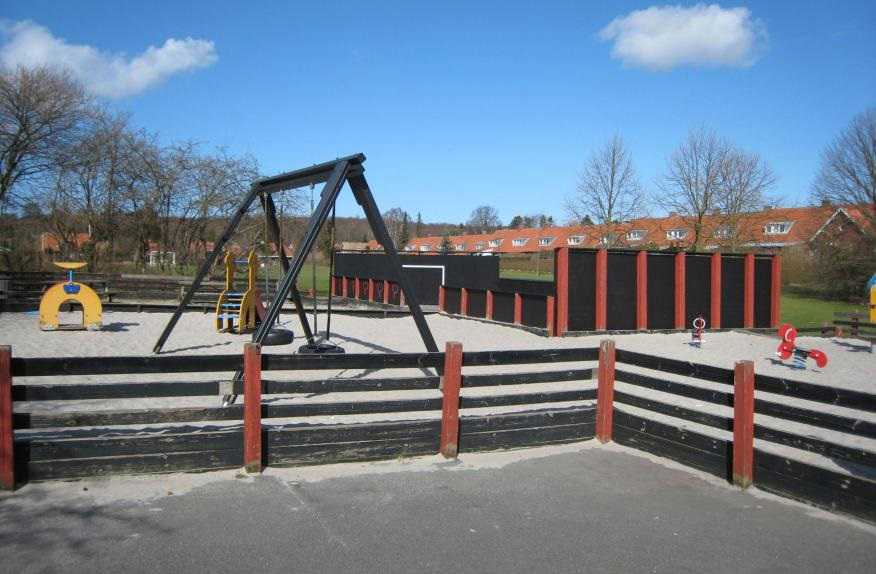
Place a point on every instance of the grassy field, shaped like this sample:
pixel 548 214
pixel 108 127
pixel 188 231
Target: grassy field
pixel 806 311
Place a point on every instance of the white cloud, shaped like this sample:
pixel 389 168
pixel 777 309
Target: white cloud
pixel 113 75
pixel 664 37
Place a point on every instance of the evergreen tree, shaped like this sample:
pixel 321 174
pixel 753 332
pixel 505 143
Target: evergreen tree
pixel 446 245
pixel 405 235
pixel 418 230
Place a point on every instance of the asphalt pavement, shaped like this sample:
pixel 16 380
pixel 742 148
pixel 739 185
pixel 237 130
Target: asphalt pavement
pixel 599 510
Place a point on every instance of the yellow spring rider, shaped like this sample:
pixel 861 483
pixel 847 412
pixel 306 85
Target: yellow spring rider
pixel 70 291
pixel 240 311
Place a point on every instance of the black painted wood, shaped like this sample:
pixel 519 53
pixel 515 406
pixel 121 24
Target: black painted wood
pixel 491 380
pixel 711 461
pixel 136 464
pixel 527 437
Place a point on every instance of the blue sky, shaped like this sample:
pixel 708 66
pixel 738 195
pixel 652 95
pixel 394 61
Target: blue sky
pixel 460 104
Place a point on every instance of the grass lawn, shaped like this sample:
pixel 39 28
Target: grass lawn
pixel 531 275
pixel 805 311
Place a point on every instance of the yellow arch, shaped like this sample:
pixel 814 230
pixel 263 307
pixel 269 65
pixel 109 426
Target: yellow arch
pixel 52 300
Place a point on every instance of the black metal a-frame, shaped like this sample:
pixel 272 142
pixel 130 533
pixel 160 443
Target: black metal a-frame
pixel 334 174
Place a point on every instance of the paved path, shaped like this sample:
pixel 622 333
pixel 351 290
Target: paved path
pixel 599 509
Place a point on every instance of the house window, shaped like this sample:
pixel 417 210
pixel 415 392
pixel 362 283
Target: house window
pixel 676 234
pixel 636 235
pixel 495 242
pixel 409 247
pixel 575 240
pixel 424 247
pixel 479 245
pixel 722 232
pixel 545 241
pixel 460 246
pixel 607 239
pixel 777 227
pixel 519 242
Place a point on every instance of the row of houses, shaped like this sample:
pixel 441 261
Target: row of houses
pixel 770 229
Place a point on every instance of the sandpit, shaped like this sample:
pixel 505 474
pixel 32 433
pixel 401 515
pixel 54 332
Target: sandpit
pixel 851 364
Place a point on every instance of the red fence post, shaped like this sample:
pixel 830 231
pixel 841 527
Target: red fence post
pixel 334 283
pixel 743 423
pixel 601 289
pixel 463 301
pixel 386 292
pixel 679 290
pixel 371 290
pixel 7 444
pixel 518 309
pixel 549 318
pixel 776 291
pixel 561 287
pixel 344 286
pixel 748 312
pixel 401 297
pixel 356 283
pixel 642 290
pixel 450 383
pixel 441 298
pixel 605 391
pixel 716 292
pixel 252 407
pixel 489 313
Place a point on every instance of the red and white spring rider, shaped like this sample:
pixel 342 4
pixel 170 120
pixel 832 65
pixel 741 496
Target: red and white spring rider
pixel 788 348
pixel 699 327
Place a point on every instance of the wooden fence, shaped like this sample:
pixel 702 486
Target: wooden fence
pixel 86 443
pixel 74 444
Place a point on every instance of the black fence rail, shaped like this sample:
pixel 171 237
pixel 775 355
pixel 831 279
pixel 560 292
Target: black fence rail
pixel 75 443
pixel 792 475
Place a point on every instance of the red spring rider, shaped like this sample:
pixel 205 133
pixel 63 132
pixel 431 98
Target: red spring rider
pixel 696 336
pixel 788 347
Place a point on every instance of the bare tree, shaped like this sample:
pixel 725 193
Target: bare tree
pixel 396 220
pixel 746 181
pixel 848 167
pixel 484 219
pixel 692 185
pixel 41 112
pixel 608 190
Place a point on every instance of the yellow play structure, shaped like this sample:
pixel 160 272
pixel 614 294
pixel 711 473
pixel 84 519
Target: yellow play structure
pixel 70 291
pixel 240 311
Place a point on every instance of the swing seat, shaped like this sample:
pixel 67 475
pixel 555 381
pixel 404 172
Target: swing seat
pixel 277 337
pixel 320 348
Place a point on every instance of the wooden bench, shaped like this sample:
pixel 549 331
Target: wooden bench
pixel 853 325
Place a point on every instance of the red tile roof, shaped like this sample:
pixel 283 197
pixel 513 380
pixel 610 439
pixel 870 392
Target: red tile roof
pixel 775 227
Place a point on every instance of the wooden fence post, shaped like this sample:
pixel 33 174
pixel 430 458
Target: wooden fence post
pixel 715 272
pixel 344 285
pixel 450 384
pixel 441 296
pixel 642 290
pixel 748 295
pixel 333 285
pixel 605 391
pixel 601 278
pixel 463 301
pixel 370 290
pixel 7 444
pixel 549 319
pixel 386 292
pixel 679 290
pixel 776 291
pixel 743 423
pixel 489 311
pixel 561 288
pixel 356 287
pixel 252 407
pixel 518 309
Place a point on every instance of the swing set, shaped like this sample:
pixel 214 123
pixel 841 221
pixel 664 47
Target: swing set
pixel 333 175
